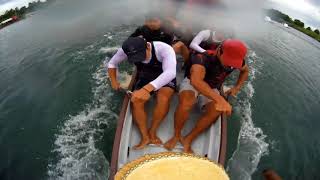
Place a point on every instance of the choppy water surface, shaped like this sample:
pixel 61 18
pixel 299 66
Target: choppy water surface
pixel 58 113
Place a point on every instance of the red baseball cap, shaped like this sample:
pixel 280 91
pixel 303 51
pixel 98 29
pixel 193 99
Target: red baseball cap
pixel 234 52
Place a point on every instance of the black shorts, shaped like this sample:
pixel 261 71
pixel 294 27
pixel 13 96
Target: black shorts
pixel 142 82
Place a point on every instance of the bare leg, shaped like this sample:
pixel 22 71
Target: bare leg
pixel 159 113
pixel 140 118
pixel 186 101
pixel 182 49
pixel 270 174
pixel 209 117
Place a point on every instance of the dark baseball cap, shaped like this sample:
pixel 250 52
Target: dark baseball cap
pixel 135 49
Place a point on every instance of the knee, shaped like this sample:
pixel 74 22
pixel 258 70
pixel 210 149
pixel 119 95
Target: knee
pixel 163 99
pixel 211 109
pixel 138 103
pixel 186 103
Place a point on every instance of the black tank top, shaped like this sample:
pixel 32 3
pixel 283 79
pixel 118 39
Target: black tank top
pixel 156 35
pixel 150 71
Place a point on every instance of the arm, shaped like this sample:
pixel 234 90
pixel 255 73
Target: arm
pixel 243 76
pixel 112 66
pixel 169 64
pixel 165 53
pixel 197 81
pixel 201 36
pixel 198 73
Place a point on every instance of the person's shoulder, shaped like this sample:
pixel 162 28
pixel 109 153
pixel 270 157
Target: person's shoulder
pixel 205 31
pixel 163 49
pixel 137 32
pixel 162 45
pixel 140 31
pixel 166 31
pixel 203 34
pixel 198 59
pixel 144 27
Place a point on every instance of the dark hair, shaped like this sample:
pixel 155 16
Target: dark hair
pixel 153 16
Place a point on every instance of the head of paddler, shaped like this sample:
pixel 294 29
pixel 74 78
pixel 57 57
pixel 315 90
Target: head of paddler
pixel 137 49
pixel 231 53
pixel 222 34
pixel 219 36
pixel 153 22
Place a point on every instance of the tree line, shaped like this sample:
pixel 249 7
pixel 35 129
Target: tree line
pixel 21 12
pixel 295 23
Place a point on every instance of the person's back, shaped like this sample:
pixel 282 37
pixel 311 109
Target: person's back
pixel 206 40
pixel 156 29
pixel 153 31
pixel 153 35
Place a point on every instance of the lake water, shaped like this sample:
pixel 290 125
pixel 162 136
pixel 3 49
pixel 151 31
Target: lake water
pixel 58 113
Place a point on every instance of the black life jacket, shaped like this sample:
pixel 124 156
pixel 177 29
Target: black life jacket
pixel 149 71
pixel 209 44
pixel 154 35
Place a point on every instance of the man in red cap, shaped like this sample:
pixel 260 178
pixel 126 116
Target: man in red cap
pixel 203 77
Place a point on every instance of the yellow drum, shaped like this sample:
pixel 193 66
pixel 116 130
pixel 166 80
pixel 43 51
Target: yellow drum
pixel 172 166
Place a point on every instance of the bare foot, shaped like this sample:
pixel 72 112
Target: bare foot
pixel 171 143
pixel 142 144
pixel 186 145
pixel 154 139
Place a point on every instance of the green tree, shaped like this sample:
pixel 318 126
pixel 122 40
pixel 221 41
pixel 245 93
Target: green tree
pixel 317 31
pixel 308 28
pixel 298 23
pixel 287 18
pixel 32 6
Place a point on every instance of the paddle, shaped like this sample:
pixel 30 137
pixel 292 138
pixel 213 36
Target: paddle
pixel 128 92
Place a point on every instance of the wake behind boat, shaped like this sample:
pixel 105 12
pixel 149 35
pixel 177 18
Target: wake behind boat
pixel 210 144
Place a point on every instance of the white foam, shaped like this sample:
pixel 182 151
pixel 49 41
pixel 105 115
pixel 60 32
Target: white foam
pixel 105 50
pixel 252 143
pixel 75 143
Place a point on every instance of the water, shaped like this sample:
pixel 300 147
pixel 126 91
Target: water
pixel 58 113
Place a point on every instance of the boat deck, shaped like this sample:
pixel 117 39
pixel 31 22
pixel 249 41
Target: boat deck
pixel 207 144
pixel 211 144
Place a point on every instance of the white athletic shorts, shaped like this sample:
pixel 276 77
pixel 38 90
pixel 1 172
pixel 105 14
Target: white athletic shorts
pixel 201 99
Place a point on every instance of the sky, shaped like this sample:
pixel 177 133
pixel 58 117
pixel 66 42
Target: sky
pixel 11 4
pixel 307 11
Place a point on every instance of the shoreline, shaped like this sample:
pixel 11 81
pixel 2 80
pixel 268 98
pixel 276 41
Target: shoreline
pixel 298 34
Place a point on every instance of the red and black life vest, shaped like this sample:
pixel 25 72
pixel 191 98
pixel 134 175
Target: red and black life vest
pixel 215 71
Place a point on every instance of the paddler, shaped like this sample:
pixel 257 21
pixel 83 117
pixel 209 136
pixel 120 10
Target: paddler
pixel 207 40
pixel 203 78
pixel 154 30
pixel 156 68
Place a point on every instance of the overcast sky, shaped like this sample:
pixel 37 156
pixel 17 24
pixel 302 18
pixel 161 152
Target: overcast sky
pixel 306 10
